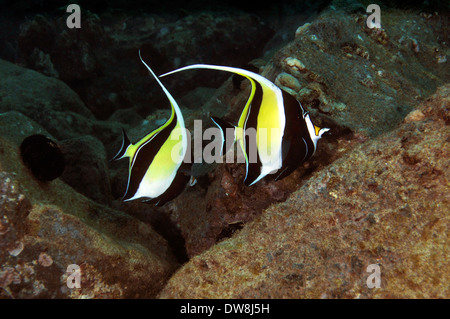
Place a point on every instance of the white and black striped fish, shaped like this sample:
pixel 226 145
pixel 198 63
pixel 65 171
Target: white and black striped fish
pixel 284 135
pixel 156 161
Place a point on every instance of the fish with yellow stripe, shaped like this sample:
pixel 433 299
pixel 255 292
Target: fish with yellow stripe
pixel 156 171
pixel 284 135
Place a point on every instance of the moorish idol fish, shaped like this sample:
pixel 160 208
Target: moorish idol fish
pixel 154 172
pixel 285 134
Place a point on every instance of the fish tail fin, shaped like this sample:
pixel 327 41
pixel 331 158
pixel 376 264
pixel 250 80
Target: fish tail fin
pixel 123 149
pixel 228 133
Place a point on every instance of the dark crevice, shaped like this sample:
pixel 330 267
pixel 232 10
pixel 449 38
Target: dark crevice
pixel 166 228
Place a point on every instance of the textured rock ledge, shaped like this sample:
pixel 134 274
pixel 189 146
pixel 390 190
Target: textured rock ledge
pixel 386 202
pixel 44 228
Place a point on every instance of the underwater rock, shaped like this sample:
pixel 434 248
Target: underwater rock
pixel 367 79
pixel 43 157
pixel 15 127
pixel 46 228
pixel 87 169
pixel 38 91
pixel 43 34
pixel 42 63
pixel 45 100
pixel 51 104
pixel 288 83
pixel 384 203
pixel 127 117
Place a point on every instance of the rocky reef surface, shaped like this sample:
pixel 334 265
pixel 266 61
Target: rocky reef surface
pixel 385 202
pixel 375 192
pixel 45 227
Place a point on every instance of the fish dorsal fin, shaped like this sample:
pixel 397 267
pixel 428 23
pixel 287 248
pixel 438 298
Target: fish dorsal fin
pixel 173 103
pixel 251 76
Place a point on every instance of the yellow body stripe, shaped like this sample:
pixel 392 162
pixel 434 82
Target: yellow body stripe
pixel 240 128
pixel 244 113
pixel 134 147
pixel 268 132
pixel 131 151
pixel 165 164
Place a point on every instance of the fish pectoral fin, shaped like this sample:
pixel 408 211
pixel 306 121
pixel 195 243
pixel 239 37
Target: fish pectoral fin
pixel 285 147
pixel 155 201
pixel 192 181
pixel 186 169
pixel 123 149
pixel 284 172
pixel 294 158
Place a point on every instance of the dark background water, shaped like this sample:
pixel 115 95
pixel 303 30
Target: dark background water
pixel 95 40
